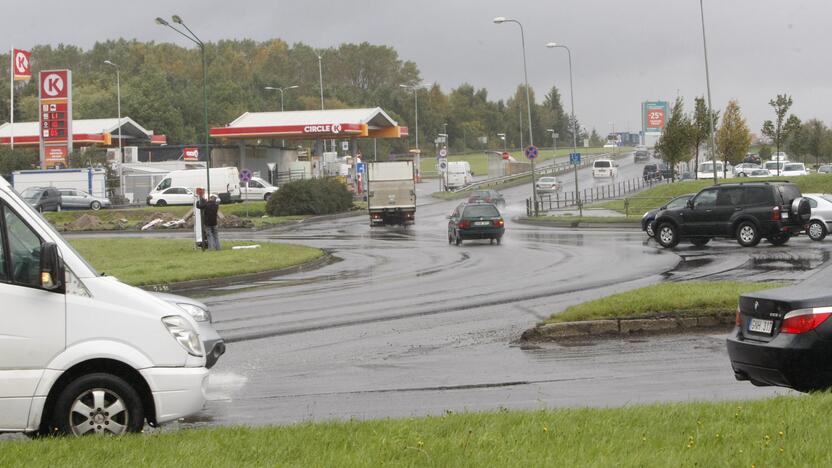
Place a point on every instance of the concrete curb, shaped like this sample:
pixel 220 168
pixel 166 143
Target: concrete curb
pixel 617 328
pixel 577 224
pixel 210 283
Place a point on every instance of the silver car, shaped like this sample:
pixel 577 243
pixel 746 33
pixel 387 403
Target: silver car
pixel 211 340
pixel 78 199
pixel 821 220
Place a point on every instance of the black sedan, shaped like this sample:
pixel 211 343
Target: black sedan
pixel 487 196
pixel 647 219
pixel 475 221
pixel 783 338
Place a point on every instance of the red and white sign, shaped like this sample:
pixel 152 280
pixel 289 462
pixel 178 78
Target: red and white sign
pixel 326 128
pixel 55 155
pixel 190 154
pixel 655 119
pixel 22 64
pixel 54 84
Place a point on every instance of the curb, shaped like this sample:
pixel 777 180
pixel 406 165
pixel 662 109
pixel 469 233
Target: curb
pixel 577 224
pixel 624 327
pixel 209 283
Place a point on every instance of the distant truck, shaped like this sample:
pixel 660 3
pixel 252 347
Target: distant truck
pixel 391 193
pixel 225 182
pixel 459 174
pixel 92 181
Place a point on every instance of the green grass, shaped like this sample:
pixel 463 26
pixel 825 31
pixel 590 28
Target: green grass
pixel 566 218
pixel 689 298
pixel 659 195
pixel 780 431
pixel 143 262
pixel 479 160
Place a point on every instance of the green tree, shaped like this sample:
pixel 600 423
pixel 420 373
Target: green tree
pixel 733 137
pixel 595 139
pixel 781 127
pixel 701 127
pixel 677 137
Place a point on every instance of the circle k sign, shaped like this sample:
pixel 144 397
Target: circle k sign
pixel 54 84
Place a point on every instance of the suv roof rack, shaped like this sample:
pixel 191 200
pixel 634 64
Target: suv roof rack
pixel 756 182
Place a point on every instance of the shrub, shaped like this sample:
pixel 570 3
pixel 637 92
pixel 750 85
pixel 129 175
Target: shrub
pixel 314 196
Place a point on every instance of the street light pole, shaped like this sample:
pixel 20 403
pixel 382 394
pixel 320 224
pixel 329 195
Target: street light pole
pixel 708 85
pixel 321 79
pixel 500 20
pixel 277 88
pixel 118 105
pixel 553 45
pixel 193 38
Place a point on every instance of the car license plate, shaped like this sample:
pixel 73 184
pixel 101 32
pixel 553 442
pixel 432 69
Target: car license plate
pixel 760 326
pixel 482 223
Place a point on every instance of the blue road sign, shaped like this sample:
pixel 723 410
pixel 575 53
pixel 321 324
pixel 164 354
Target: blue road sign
pixel 531 152
pixel 575 158
pixel 359 167
pixel 245 175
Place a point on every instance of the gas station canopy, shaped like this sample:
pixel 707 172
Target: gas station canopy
pixel 313 124
pixel 85 132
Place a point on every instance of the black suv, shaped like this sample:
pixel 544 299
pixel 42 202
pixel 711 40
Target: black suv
pixel 746 211
pixel 650 172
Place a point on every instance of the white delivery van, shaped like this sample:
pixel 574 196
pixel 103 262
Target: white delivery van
pixel 225 182
pixel 82 353
pixel 604 168
pixel 459 174
pixel 706 170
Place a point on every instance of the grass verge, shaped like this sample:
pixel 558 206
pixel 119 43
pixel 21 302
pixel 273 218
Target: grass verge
pixel 770 432
pixel 575 220
pixel 143 262
pixel 657 196
pixel 689 298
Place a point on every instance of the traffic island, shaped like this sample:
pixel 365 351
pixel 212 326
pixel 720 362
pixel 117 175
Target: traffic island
pixel 660 308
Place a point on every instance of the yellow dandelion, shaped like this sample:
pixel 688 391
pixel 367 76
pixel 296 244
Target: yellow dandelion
pixel 781 434
pixel 781 450
pixel 545 429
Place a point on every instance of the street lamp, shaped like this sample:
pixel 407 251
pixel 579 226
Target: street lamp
pixel 554 140
pixel 553 45
pixel 501 20
pixel 277 88
pixel 193 38
pixel 415 88
pixel 502 136
pixel 708 85
pixel 321 78
pixel 118 105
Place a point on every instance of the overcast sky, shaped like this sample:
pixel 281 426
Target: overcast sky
pixel 624 52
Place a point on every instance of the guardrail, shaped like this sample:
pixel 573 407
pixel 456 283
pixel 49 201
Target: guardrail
pixel 558 200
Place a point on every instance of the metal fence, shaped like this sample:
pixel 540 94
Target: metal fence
pixel 559 200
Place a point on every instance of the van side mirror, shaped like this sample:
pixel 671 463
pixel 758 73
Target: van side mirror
pixel 52 272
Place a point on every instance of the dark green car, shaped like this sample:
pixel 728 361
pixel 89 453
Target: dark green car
pixel 475 221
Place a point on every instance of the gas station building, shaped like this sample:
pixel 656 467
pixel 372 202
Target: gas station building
pixel 85 132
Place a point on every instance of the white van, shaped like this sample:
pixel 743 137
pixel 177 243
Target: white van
pixel 82 353
pixel 459 174
pixel 604 168
pixel 706 170
pixel 225 182
pixel 772 167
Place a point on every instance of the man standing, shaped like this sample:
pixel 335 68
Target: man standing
pixel 210 212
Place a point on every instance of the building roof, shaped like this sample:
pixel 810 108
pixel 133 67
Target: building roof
pixel 89 131
pixel 333 123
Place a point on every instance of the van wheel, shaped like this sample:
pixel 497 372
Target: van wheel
pixel 98 403
pixel 95 205
pixel 747 234
pixel 668 235
pixel 161 203
pixel 457 239
pixel 817 230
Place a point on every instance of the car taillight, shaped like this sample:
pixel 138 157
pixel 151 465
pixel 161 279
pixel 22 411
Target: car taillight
pixel 738 319
pixel 464 224
pixel 775 213
pixel 804 320
pixel 499 222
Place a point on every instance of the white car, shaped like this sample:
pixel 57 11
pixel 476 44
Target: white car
pixel 546 185
pixel 256 189
pixel 821 221
pixel 757 173
pixel 781 156
pixel 171 196
pixel 604 168
pixel 82 353
pixel 740 170
pixel 772 167
pixel 793 170
pixel 706 170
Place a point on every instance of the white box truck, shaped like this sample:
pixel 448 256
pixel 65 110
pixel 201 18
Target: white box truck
pixel 92 181
pixel 225 182
pixel 391 193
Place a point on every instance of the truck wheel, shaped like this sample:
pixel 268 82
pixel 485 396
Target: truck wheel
pixel 98 403
pixel 161 203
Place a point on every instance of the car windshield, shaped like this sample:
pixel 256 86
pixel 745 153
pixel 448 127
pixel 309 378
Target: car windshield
pixel 481 211
pixel 31 194
pixel 602 164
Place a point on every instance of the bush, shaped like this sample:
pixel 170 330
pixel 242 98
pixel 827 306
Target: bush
pixel 315 196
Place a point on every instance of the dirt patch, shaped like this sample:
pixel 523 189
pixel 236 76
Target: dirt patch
pixel 86 222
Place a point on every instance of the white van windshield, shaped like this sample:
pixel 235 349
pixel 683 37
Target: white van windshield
pixel 602 164
pixel 165 183
pixel 709 167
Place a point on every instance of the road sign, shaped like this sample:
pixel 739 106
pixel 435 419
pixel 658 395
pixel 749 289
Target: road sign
pixel 359 168
pixel 575 158
pixel 443 153
pixel 443 165
pixel 505 155
pixel 531 152
pixel 245 175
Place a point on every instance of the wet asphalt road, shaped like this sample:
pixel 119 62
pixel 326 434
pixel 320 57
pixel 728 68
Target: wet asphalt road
pixel 406 324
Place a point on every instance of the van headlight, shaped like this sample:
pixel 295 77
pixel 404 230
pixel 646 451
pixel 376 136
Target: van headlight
pixel 198 313
pixel 182 331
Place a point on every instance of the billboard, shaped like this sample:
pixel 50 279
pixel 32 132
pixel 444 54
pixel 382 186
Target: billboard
pixel 55 117
pixel 653 116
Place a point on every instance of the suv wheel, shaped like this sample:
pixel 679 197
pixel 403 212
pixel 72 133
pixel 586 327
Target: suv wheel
pixel 778 239
pixel 650 231
pixel 668 235
pixel 747 234
pixel 817 230
pixel 700 241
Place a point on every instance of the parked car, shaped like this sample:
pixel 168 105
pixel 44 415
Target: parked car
pixel 256 189
pixel 548 185
pixel 706 170
pixel 604 168
pixel 83 353
pixel 752 158
pixel 648 218
pixel 71 198
pixel 794 170
pixel 783 338
pixel 741 170
pixel 821 221
pixel 487 196
pixel 665 171
pixel 775 168
pixel 825 169
pixel 758 173
pixel 171 196
pixel 780 156
pixel 213 344
pixel 43 198
pixel 475 221
pixel 747 212
pixel 650 172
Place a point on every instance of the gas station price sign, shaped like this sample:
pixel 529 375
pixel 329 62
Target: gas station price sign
pixel 55 117
pixel 54 122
